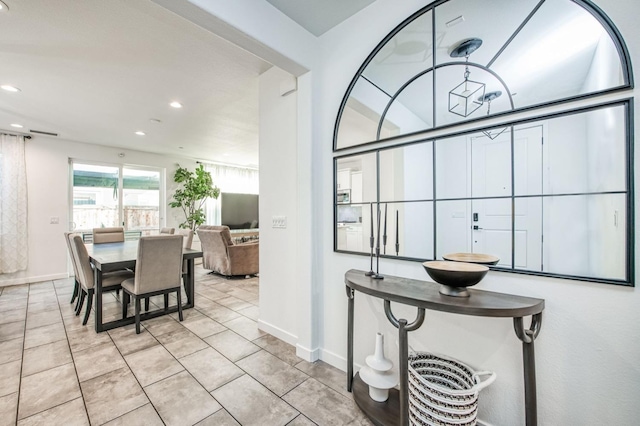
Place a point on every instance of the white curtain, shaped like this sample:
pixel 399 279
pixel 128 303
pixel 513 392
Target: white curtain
pixel 229 179
pixel 13 205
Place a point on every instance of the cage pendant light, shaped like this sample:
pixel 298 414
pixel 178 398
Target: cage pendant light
pixel 488 97
pixel 467 96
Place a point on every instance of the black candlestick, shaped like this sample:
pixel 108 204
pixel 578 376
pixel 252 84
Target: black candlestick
pixel 371 273
pixel 384 236
pixel 397 241
pixel 377 276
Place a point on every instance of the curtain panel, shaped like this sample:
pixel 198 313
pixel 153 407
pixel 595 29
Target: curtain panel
pixel 13 205
pixel 229 179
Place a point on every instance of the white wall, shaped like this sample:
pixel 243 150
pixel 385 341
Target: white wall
pixel 278 197
pixel 589 346
pixel 47 162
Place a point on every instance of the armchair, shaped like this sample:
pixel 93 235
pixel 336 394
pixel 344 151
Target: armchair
pixel 222 256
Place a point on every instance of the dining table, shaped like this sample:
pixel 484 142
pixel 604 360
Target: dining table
pixel 111 257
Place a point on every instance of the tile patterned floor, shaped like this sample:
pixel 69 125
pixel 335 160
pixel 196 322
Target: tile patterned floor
pixel 214 368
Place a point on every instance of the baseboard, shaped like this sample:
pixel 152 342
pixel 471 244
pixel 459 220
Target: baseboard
pixel 278 332
pixel 29 280
pixel 337 361
pixel 309 355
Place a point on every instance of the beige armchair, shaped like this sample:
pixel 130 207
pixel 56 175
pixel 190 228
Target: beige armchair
pixel 167 231
pixel 222 256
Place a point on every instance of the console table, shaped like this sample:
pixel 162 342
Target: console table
pixel 425 295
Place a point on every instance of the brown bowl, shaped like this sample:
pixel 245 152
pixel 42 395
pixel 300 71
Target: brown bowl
pixel 454 277
pixel 479 258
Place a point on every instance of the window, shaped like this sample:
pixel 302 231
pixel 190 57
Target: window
pixel 112 195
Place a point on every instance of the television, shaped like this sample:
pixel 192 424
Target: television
pixel 239 211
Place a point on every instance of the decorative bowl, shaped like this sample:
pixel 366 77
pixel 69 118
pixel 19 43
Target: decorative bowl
pixel 479 258
pixel 455 277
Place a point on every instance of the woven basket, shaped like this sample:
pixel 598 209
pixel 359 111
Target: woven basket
pixel 444 391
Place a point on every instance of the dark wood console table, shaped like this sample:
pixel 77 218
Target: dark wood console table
pixel 425 295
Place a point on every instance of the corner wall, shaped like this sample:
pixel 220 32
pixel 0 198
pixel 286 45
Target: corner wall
pixel 278 197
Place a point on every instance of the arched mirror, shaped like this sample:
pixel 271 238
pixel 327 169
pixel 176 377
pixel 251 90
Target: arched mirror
pixel 466 60
pixel 547 193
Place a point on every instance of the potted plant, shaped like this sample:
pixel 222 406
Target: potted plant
pixel 195 188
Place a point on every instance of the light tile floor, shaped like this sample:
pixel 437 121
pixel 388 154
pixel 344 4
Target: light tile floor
pixel 214 368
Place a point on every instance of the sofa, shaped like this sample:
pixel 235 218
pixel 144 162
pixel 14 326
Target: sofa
pixel 220 255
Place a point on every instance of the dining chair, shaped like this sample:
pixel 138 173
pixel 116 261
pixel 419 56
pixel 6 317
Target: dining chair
pixel 76 284
pixel 187 234
pixel 108 235
pixel 110 281
pixel 167 231
pixel 158 271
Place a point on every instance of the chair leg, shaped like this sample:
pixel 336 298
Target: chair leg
pixel 137 314
pixel 80 302
pixel 76 289
pixel 125 303
pixel 179 297
pixel 117 292
pixel 89 304
pixel 166 301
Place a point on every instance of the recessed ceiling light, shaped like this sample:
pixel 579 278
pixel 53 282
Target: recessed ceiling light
pixel 181 147
pixel 225 155
pixel 19 126
pixel 155 120
pixel 175 104
pixel 9 88
pixel 3 7
pixel 140 133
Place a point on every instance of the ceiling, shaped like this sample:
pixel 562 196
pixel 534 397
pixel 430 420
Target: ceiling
pixel 98 71
pixel 319 16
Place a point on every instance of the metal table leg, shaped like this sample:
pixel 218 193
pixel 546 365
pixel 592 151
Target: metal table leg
pixel 190 283
pixel 97 284
pixel 527 336
pixel 403 357
pixel 350 296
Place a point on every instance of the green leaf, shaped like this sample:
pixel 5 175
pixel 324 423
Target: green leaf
pixel 195 188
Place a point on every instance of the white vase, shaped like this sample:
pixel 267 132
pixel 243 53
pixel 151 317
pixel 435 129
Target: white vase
pixel 377 373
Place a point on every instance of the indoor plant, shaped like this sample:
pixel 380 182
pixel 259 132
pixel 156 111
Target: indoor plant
pixel 195 188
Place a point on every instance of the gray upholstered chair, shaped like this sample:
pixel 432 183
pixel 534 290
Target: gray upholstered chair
pixel 108 235
pixel 167 231
pixel 222 256
pixel 110 281
pixel 187 234
pixel 76 274
pixel 158 271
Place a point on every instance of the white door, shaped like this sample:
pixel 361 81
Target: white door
pixel 492 217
